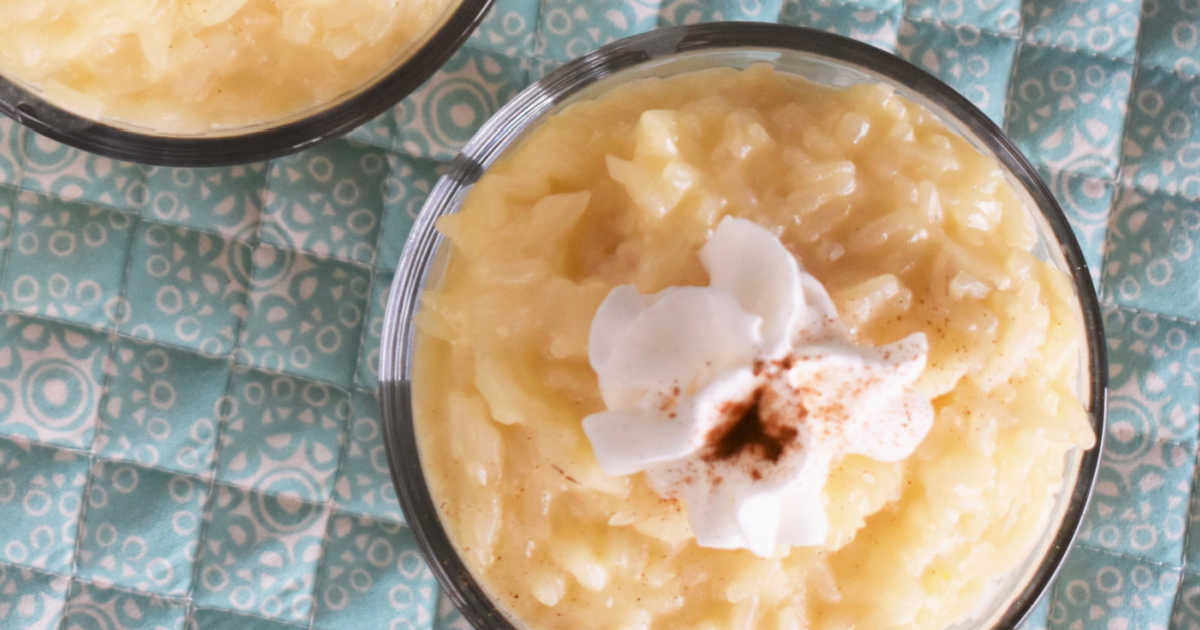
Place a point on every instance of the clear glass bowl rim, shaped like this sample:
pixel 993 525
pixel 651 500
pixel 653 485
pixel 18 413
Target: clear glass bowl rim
pixel 340 118
pixel 507 124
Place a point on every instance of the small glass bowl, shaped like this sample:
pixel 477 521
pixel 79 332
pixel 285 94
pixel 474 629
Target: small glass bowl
pixel 256 142
pixel 819 57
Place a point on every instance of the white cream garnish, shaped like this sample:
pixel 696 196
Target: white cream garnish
pixel 736 398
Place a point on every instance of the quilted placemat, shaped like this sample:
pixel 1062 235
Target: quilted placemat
pixel 188 430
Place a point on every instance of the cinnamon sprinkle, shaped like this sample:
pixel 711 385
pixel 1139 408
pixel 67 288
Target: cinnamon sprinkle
pixel 747 429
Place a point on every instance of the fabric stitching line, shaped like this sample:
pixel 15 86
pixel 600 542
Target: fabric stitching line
pixel 223 420
pixel 1118 553
pixel 878 7
pixel 12 228
pixel 154 221
pixel 1161 192
pixel 172 599
pixel 1119 174
pixel 1141 310
pixel 200 478
pixel 177 600
pixel 106 368
pixel 330 509
pixel 357 371
pixel 249 614
pixel 1008 96
pixel 15 128
pixel 23 566
pixel 210 500
pixel 951 26
pixel 1192 571
pixel 1083 52
pixel 1187 532
pixel 175 347
pixel 534 50
pixel 1179 74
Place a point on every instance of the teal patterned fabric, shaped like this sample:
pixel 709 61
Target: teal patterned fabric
pixel 189 435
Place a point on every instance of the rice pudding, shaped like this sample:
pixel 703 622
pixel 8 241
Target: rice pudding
pixel 195 66
pixel 907 229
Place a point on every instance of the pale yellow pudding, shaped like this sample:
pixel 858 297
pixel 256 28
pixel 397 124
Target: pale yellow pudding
pixel 909 229
pixel 190 66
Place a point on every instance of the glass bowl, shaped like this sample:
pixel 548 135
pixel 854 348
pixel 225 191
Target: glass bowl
pixel 257 142
pixel 819 57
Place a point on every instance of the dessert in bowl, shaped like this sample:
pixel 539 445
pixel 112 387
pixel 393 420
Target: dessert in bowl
pixel 742 326
pixel 217 81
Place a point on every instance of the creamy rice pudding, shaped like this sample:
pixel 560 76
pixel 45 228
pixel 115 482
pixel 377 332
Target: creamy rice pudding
pixel 191 66
pixel 910 233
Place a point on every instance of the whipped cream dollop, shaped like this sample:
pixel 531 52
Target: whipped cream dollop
pixel 737 398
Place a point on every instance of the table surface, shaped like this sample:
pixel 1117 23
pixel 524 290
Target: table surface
pixel 188 430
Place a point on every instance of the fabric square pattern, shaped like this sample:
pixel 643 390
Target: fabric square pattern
pixel 225 201
pixel 94 606
pixel 1066 109
pixel 281 435
pixel 1170 35
pixel 364 483
pixel 186 288
pixel 56 170
pixel 373 577
pixel 40 491
pixel 1113 590
pixel 1140 505
pixel 144 545
pixel 51 377
pixel 368 358
pixel 260 554
pixel 66 268
pixel 1150 258
pixel 509 28
pixel 161 407
pixel 1105 29
pixel 873 23
pixel 1162 137
pixel 404 193
pixel 973 62
pixel 30 599
pixel 1001 16
pixel 305 315
pixel 437 119
pixel 327 201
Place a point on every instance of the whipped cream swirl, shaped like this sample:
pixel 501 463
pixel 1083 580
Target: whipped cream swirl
pixel 738 397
